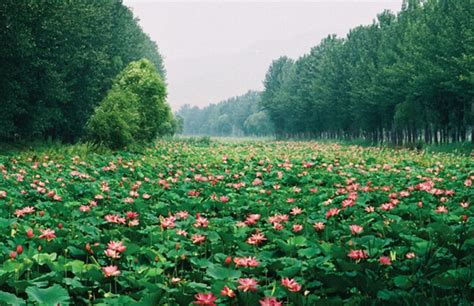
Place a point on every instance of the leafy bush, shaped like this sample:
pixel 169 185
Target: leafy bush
pixel 134 110
pixel 115 121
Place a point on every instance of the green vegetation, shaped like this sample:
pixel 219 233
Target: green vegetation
pixel 406 78
pixel 134 110
pixel 238 116
pixel 124 219
pixel 58 60
pixel 234 223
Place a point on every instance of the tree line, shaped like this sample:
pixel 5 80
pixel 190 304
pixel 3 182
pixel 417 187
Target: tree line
pixel 58 60
pixel 407 77
pixel 237 116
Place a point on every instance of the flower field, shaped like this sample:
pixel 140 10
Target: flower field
pixel 245 223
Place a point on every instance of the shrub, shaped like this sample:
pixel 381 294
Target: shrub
pixel 134 110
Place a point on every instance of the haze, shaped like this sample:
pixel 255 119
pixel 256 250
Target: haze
pixel 216 50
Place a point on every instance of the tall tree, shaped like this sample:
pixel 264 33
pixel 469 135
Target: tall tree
pixel 404 78
pixel 58 59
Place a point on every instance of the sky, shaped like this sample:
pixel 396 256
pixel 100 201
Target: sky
pixel 214 50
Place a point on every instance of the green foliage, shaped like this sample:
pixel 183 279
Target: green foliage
pixel 134 110
pixel 58 60
pixel 124 196
pixel 405 78
pixel 258 124
pixel 11 299
pixel 232 117
pixel 49 296
pixel 115 121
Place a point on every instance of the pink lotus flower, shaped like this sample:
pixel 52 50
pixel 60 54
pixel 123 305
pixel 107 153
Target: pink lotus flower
pixel 332 212
pixel 111 271
pixel 112 254
pixel 410 255
pixel 468 183
pixel 193 193
pixel 181 232
pixel 269 301
pixel 47 234
pixel 296 211
pixel 348 203
pixel 246 262
pixel 319 226
pixel 252 262
pixel 387 206
pixel 19 213
pixel 357 254
pixel 369 209
pixel 277 226
pixel 201 221
pixel 404 194
pixel 182 214
pixel 247 284
pixel 356 229
pixel 24 211
pixel 441 209
pixel 297 228
pixel 196 238
pixel 28 209
pixel 132 215
pixel 227 292
pixel 278 218
pixel 133 222
pixel 205 299
pixel 168 222
pixel 291 284
pixel 117 246
pixel 385 261
pixel 3 194
pixel 114 219
pixel 104 186
pixel 252 219
pixel 224 199
pixel 84 208
pixel 256 238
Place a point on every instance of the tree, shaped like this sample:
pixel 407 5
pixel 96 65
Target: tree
pixel 404 78
pixel 134 110
pixel 272 97
pixel 58 60
pixel 226 118
pixel 258 124
pixel 115 122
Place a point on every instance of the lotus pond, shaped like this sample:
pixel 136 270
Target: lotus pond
pixel 237 223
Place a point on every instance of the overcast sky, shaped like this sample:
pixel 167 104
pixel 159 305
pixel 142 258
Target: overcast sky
pixel 214 50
